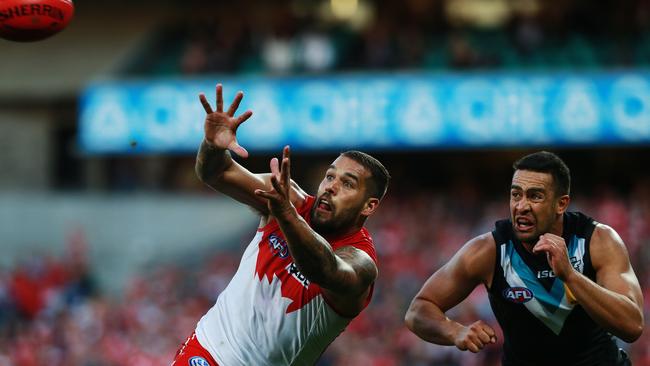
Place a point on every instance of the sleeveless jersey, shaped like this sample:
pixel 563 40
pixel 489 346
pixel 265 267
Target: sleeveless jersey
pixel 540 325
pixel 270 314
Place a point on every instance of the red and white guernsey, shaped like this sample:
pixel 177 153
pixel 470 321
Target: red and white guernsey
pixel 269 314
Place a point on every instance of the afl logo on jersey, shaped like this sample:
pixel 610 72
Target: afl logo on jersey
pixel 198 361
pixel 279 246
pixel 518 295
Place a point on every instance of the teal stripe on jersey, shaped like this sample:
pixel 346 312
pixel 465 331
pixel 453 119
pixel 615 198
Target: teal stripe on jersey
pixel 550 300
pixel 550 307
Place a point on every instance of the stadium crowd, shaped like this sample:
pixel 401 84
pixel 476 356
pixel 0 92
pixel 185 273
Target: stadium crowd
pixel 51 313
pixel 309 37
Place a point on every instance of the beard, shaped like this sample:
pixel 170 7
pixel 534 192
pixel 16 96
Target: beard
pixel 337 223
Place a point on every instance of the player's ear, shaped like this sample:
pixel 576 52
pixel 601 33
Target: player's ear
pixel 563 203
pixel 370 206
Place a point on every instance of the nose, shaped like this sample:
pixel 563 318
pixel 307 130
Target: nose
pixel 331 187
pixel 522 205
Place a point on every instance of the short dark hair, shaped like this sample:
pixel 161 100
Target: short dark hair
pixel 547 162
pixel 379 175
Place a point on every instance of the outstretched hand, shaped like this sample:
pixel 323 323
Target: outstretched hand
pixel 279 198
pixel 221 128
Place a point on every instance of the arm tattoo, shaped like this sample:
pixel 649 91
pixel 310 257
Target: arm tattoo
pixel 211 162
pixel 363 266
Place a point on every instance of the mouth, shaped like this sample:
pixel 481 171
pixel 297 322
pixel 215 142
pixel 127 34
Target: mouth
pixel 524 224
pixel 324 205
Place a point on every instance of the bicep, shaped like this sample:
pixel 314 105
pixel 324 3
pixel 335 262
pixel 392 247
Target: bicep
pixel 611 262
pixel 453 282
pixel 355 271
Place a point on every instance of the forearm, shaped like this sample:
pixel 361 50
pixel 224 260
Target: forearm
pixel 428 322
pixel 312 254
pixel 613 311
pixel 211 162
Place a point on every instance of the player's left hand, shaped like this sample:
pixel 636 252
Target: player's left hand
pixel 556 254
pixel 279 199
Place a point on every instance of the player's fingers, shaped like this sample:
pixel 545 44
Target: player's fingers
pixel 238 149
pixel 265 194
pixel 472 347
pixel 243 117
pixel 274 167
pixel 286 166
pixel 553 237
pixel 205 103
pixel 490 332
pixel 483 336
pixel 219 98
pixel 286 152
pixel 286 176
pixel 277 186
pixel 541 247
pixel 235 103
pixel 476 339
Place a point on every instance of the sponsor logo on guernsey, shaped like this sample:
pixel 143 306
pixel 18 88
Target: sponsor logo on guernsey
pixel 279 246
pixel 548 273
pixel 518 295
pixel 198 361
pixel 295 272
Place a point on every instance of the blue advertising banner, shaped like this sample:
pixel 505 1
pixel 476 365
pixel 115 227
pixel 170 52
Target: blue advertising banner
pixel 396 111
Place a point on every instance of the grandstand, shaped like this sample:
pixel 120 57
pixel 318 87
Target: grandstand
pixel 112 247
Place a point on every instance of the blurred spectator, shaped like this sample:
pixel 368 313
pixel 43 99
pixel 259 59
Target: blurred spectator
pixel 298 36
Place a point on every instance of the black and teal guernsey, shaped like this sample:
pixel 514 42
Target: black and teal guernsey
pixel 539 324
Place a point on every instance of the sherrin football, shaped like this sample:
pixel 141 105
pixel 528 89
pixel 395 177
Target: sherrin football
pixel 33 20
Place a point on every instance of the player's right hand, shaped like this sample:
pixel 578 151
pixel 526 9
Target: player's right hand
pixel 221 128
pixel 475 336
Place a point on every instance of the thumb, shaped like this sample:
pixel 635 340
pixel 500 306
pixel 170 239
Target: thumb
pixel 238 149
pixel 264 194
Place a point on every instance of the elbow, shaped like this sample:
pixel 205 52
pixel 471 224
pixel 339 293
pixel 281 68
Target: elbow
pixel 412 315
pixel 409 319
pixel 632 330
pixel 632 334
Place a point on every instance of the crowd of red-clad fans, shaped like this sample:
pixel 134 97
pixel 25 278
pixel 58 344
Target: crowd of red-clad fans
pixel 51 313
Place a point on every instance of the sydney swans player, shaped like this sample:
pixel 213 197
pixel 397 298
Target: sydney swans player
pixel 309 269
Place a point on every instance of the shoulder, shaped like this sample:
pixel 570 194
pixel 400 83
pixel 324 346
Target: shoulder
pixel 605 236
pixel 480 246
pixel 606 246
pixel 360 241
pixel 477 256
pixel 605 232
